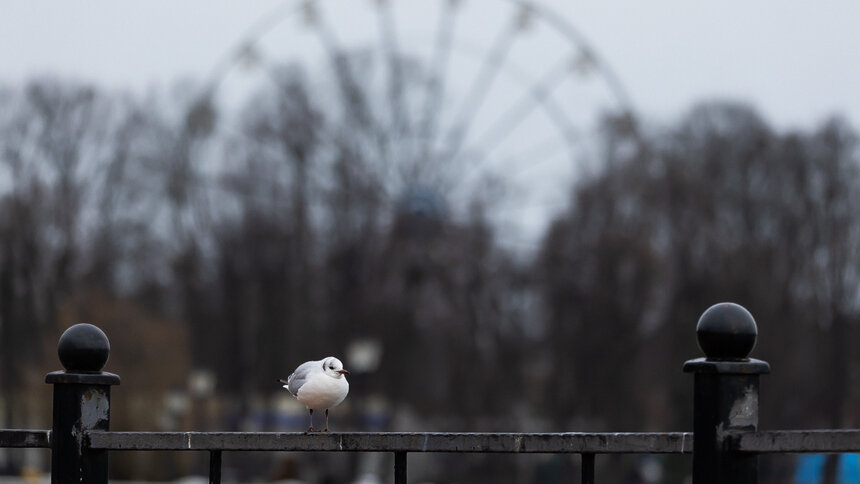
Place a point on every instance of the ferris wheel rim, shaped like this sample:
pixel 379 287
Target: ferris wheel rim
pixel 269 21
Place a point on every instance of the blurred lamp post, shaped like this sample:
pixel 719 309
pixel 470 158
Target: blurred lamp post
pixel 363 355
pixel 176 407
pixel 201 383
pixel 201 386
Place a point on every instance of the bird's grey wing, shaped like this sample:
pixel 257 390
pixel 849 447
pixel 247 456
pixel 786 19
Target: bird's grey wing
pixel 299 377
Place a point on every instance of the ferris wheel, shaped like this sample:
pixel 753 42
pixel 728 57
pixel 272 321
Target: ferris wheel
pixel 460 102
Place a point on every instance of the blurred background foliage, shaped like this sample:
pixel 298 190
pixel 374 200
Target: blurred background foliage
pixel 217 260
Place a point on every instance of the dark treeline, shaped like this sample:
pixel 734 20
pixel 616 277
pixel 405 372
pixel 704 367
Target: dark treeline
pixel 292 236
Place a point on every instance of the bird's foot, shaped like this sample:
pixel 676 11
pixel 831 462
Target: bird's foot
pixel 312 430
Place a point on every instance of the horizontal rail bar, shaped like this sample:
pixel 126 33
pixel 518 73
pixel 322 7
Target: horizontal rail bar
pixel 797 441
pixel 10 438
pixel 576 443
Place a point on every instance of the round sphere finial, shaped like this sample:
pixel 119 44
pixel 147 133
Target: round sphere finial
pixel 726 331
pixel 83 347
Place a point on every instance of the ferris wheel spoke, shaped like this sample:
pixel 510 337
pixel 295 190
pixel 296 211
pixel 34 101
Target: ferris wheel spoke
pixel 625 104
pixel 537 155
pixel 360 117
pixel 400 122
pixel 569 134
pixel 436 77
pixel 535 96
pixel 248 45
pixel 513 166
pixel 350 89
pixel 316 22
pixel 318 178
pixel 362 168
pixel 480 87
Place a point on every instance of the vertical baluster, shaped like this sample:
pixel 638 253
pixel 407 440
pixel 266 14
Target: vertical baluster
pixel 214 467
pixel 588 468
pixel 400 467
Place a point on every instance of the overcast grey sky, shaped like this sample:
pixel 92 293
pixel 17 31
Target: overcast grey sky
pixel 796 61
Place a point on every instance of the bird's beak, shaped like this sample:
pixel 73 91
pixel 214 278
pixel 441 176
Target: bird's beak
pixel 343 372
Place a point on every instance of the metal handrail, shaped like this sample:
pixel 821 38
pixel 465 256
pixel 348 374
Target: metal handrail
pixel 17 438
pixel 796 441
pixel 588 445
pixel 550 443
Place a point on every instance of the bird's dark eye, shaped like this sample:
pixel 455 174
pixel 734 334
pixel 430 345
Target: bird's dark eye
pixel 330 367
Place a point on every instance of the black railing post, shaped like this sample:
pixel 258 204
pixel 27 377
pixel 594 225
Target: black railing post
pixel 81 403
pixel 400 467
pixel 587 468
pixel 726 391
pixel 214 467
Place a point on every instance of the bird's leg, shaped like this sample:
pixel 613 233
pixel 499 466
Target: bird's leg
pixel 326 421
pixel 311 412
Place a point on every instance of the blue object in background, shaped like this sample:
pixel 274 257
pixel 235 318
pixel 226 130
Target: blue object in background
pixel 810 469
pixel 849 469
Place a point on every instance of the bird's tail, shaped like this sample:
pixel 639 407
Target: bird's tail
pixel 285 382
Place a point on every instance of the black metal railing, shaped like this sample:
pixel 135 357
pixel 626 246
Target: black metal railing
pixel 796 441
pixel 725 443
pixel 400 444
pixel 19 439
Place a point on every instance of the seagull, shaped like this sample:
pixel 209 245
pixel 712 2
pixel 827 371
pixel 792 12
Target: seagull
pixel 319 385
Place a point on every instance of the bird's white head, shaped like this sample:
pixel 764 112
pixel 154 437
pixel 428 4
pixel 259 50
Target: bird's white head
pixel 333 367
